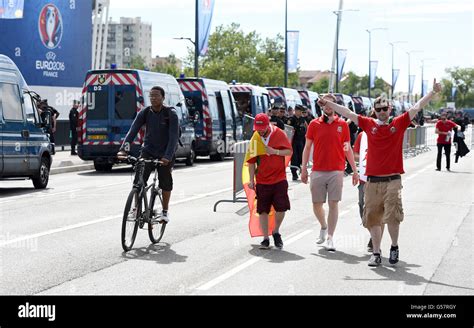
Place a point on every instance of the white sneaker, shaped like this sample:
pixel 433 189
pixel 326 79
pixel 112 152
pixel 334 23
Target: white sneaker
pixel 322 236
pixel 165 217
pixel 330 246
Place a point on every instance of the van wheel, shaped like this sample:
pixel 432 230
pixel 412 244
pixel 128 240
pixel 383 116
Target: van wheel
pixel 102 167
pixel 41 180
pixel 218 157
pixel 191 157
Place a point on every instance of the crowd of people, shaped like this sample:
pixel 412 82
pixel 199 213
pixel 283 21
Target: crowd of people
pixel 377 146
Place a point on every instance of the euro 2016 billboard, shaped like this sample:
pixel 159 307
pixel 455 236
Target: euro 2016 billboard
pixel 52 42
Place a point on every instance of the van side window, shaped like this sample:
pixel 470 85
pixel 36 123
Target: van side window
pixel 10 102
pixel 30 110
pixel 213 107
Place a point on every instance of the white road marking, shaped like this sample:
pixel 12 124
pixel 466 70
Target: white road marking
pixel 88 223
pixel 246 264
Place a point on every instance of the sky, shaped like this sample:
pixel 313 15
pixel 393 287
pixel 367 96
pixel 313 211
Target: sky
pixel 440 32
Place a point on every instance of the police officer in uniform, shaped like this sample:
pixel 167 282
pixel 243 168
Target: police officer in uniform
pixel 299 123
pixel 275 119
pixel 73 121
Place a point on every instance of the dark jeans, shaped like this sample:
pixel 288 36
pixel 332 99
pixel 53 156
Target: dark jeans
pixel 297 157
pixel 73 140
pixel 165 177
pixel 447 151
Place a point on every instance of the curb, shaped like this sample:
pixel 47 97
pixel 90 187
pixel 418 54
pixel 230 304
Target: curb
pixel 74 168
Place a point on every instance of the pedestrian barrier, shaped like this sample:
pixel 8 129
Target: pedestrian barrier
pixel 240 149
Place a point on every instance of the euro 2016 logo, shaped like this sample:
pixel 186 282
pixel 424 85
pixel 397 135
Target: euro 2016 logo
pixel 50 26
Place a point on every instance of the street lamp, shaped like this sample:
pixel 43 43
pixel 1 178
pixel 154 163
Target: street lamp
pixel 422 71
pixel 370 41
pixel 336 48
pixel 286 43
pixel 409 53
pixel 196 55
pixel 393 44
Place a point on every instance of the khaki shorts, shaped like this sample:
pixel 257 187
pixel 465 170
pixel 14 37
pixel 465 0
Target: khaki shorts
pixel 383 203
pixel 326 183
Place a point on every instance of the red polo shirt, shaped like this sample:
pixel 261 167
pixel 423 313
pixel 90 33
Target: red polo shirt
pixel 271 169
pixel 328 141
pixel 385 144
pixel 444 127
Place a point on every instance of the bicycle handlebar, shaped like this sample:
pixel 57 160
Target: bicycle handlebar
pixel 133 160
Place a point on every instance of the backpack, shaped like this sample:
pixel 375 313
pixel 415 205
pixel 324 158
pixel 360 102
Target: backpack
pixel 167 120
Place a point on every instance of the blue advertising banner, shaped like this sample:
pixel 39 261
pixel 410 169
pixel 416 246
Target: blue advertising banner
pixel 411 83
pixel 52 44
pixel 205 11
pixel 453 92
pixel 293 44
pixel 373 72
pixel 11 9
pixel 342 55
pixel 395 73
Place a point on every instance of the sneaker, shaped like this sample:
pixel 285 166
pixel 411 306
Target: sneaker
pixel 330 246
pixel 375 260
pixel 265 244
pixel 165 217
pixel 370 246
pixel 322 236
pixel 277 240
pixel 394 253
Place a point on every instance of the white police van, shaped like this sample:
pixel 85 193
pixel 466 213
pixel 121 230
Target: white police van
pixel 25 149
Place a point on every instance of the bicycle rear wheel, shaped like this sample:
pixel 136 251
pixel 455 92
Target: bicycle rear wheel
pixel 156 229
pixel 131 215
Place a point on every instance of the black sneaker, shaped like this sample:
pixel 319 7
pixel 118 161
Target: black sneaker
pixel 393 259
pixel 277 240
pixel 295 178
pixel 265 244
pixel 370 246
pixel 375 260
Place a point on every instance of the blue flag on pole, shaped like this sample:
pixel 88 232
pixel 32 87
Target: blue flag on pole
pixel 453 92
pixel 205 11
pixel 373 72
pixel 342 55
pixel 412 83
pixel 11 9
pixel 425 87
pixel 293 43
pixel 395 77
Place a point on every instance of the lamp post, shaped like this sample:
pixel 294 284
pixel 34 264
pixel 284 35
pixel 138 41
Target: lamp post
pixel 338 13
pixel 196 55
pixel 370 41
pixel 393 46
pixel 409 53
pixel 286 43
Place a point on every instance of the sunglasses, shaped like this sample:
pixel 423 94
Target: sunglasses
pixel 378 110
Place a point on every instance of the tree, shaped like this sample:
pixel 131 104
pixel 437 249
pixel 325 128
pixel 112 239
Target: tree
pixel 321 86
pixel 137 62
pixel 463 79
pixel 169 67
pixel 243 57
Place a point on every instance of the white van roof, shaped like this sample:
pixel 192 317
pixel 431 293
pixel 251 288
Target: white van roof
pixel 9 69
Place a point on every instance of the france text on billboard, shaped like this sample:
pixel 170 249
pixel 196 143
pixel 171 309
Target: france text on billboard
pixel 51 44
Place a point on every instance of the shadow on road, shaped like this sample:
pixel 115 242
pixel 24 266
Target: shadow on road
pixel 274 255
pixel 160 253
pixel 9 192
pixel 341 256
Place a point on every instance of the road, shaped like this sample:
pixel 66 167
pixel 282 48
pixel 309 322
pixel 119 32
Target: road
pixel 66 240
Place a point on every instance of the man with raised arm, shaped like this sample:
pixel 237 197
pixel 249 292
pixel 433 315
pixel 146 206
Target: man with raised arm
pixel 383 201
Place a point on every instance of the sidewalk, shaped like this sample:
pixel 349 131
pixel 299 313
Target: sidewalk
pixel 64 162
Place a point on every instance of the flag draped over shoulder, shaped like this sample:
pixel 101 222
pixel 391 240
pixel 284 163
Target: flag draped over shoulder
pixel 256 148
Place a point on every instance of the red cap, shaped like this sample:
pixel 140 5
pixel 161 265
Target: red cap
pixel 262 122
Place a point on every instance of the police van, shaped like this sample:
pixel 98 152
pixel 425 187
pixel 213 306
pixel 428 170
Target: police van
pixel 251 100
pixel 359 106
pixel 25 149
pixel 288 97
pixel 310 100
pixel 345 100
pixel 111 100
pixel 218 125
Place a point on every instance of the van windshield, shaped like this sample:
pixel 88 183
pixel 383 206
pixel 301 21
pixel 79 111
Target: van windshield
pixel 125 102
pixel 97 103
pixel 194 103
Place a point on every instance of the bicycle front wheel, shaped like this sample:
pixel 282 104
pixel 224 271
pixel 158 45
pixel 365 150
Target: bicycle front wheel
pixel 156 229
pixel 131 216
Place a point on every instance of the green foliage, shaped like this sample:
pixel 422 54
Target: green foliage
pixel 170 67
pixel 243 57
pixel 137 63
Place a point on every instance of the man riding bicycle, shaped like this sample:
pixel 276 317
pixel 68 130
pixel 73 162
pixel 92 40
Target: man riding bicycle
pixel 161 142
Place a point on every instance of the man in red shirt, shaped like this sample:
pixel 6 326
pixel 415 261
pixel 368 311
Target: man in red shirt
pixel 443 130
pixel 330 136
pixel 383 201
pixel 270 170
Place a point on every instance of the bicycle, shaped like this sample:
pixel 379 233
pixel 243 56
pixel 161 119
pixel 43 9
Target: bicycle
pixel 138 211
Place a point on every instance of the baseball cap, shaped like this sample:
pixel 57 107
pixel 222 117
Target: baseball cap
pixel 261 122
